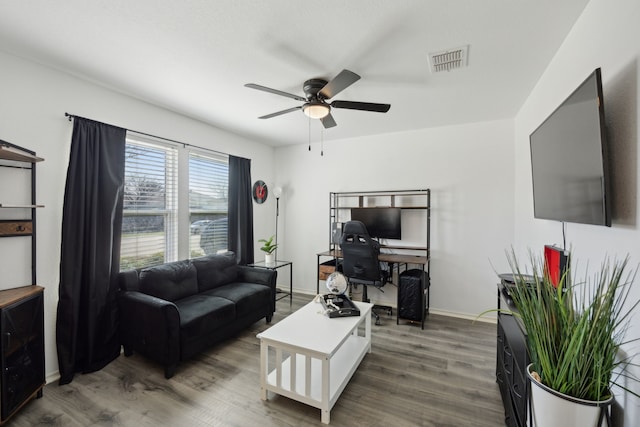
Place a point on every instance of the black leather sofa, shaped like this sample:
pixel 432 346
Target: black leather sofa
pixel 173 311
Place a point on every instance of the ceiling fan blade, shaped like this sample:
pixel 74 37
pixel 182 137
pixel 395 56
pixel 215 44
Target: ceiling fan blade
pixel 339 83
pixel 275 91
pixel 328 122
pixel 364 106
pixel 279 113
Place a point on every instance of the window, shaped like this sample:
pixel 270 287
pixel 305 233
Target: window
pixel 149 220
pixel 160 223
pixel 208 203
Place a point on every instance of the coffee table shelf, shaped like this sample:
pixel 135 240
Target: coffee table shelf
pixel 326 351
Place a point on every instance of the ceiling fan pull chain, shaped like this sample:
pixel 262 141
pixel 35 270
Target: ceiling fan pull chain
pixel 309 133
pixel 322 141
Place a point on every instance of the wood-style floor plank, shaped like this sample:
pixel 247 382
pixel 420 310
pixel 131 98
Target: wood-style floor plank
pixel 441 376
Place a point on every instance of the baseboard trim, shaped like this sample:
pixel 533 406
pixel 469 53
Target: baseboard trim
pixel 472 317
pixel 52 378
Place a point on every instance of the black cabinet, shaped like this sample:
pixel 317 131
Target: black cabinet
pixel 21 348
pixel 511 361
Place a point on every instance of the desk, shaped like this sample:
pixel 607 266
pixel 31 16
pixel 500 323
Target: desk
pixel 384 257
pixel 274 266
pixel 405 290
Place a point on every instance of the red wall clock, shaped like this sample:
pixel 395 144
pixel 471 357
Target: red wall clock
pixel 260 192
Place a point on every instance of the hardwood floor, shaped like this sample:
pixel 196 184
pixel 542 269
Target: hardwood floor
pixel 441 376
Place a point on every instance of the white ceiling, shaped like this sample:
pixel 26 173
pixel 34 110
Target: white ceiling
pixel 194 56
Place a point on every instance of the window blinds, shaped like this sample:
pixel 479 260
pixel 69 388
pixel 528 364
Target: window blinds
pixel 149 228
pixel 208 202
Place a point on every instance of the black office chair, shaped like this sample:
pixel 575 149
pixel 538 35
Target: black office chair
pixel 360 262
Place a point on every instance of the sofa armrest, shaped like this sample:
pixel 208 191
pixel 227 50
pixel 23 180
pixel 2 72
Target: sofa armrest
pixel 261 276
pixel 149 325
pixel 128 280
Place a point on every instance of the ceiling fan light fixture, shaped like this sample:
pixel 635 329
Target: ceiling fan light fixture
pixel 315 110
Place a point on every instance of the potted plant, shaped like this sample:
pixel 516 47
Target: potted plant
pixel 574 332
pixel 268 247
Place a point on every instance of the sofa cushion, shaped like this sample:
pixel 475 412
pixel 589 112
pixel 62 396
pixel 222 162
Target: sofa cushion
pixel 171 281
pixel 200 314
pixel 216 270
pixel 248 297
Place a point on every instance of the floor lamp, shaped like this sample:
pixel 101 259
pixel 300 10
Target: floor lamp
pixel 277 192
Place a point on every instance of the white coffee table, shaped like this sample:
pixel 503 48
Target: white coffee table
pixel 326 353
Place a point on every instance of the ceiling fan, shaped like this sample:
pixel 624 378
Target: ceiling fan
pixel 317 92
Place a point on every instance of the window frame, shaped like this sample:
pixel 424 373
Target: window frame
pixel 177 209
pixel 219 215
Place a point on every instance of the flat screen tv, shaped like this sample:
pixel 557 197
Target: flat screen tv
pixel 382 223
pixel 569 159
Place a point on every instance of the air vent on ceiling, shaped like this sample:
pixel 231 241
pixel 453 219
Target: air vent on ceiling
pixel 449 59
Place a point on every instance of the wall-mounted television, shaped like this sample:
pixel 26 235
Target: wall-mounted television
pixel 382 223
pixel 569 159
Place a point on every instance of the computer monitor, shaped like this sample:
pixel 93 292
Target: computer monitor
pixel 381 223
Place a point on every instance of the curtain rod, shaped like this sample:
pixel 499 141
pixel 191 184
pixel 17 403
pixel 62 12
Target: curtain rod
pixel 184 144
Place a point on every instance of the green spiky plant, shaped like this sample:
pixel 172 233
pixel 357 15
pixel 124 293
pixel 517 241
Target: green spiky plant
pixel 267 245
pixel 574 331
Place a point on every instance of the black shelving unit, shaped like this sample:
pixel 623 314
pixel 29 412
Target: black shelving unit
pixel 22 364
pixel 15 157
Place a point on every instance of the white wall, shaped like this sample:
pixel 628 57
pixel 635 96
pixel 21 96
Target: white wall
pixel 33 100
pixel 469 170
pixel 606 36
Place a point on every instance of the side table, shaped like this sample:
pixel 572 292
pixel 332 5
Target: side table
pixel 274 266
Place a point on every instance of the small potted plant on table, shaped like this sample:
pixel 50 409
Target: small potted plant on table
pixel 268 247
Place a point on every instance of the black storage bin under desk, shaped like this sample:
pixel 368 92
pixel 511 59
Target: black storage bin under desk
pixel 413 296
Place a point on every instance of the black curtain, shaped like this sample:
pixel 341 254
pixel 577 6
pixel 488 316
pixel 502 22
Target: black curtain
pixel 240 210
pixel 86 325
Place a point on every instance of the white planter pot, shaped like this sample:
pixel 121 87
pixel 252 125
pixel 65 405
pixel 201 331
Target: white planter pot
pixel 269 258
pixel 550 408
